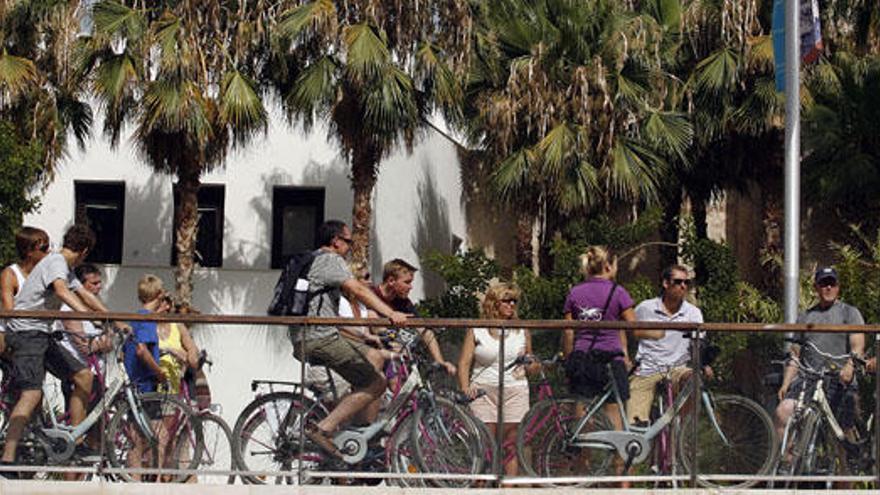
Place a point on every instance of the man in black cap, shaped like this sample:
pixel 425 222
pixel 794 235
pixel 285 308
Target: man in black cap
pixel 828 311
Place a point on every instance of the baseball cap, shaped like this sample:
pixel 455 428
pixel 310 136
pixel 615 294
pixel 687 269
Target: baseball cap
pixel 826 272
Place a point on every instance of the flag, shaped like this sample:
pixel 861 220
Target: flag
pixel 810 32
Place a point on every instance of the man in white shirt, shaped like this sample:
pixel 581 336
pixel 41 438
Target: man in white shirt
pixel 669 354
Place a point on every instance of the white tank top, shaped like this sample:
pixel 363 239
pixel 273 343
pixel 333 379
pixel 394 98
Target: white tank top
pixel 486 357
pixel 19 276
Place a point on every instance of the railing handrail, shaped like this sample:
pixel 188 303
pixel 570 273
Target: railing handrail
pixel 438 322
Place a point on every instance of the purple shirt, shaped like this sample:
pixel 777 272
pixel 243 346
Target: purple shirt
pixel 585 303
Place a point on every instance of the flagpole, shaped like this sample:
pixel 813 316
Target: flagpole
pixel 791 281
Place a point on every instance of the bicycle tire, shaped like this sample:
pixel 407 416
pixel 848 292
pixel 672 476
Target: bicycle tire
pixel 445 440
pixel 542 442
pixel 217 449
pixel 170 421
pixel 258 446
pixel 751 448
pixel 400 458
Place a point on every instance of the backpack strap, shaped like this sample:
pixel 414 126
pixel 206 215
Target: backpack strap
pixel 604 311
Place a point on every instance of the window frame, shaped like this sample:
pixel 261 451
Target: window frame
pixel 106 193
pixel 210 195
pixel 285 196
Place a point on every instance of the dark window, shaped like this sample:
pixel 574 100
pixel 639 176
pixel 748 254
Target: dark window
pixel 209 238
pixel 296 215
pixel 101 205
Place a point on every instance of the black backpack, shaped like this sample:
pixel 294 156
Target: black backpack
pixel 291 295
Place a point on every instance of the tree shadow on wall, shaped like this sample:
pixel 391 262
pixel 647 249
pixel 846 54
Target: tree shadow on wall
pixel 433 232
pixel 149 209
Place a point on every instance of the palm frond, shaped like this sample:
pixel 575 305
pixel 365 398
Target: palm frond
pixel 315 89
pixel 241 107
pixel 367 52
pixel 112 18
pixel 294 22
pixel 17 75
pixel 670 132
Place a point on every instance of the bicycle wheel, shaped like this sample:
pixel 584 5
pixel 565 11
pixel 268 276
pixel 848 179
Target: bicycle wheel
pixel 740 440
pixel 127 445
pixel 543 442
pixel 446 441
pixel 262 441
pixel 217 451
pixel 400 457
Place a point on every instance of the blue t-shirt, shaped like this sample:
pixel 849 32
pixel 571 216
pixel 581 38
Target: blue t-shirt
pixel 143 332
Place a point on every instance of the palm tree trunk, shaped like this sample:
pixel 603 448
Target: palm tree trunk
pixel 186 221
pixel 698 210
pixel 363 168
pixel 669 228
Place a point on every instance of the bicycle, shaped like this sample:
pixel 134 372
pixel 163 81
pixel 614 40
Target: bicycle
pixel 217 443
pixel 572 436
pixel 422 430
pixel 132 423
pixel 813 441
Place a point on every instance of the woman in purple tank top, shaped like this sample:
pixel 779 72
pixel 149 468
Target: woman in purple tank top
pixel 599 298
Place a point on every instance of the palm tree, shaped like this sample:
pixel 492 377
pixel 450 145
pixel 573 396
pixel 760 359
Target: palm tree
pixel 184 74
pixel 569 101
pixel 374 71
pixel 42 102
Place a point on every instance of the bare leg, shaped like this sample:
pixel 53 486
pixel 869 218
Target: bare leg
pixel 21 413
pixel 351 404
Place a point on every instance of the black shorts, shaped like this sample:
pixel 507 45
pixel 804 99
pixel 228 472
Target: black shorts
pixel 588 374
pixel 35 352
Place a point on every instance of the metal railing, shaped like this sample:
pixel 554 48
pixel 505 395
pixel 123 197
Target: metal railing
pixel 693 478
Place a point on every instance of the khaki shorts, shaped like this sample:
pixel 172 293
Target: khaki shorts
pixel 642 389
pixel 516 404
pixel 342 356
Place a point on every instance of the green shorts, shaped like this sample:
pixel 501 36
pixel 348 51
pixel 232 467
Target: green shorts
pixel 341 355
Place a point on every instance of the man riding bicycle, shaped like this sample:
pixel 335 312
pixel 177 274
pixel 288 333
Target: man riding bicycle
pixel 830 310
pixel 323 345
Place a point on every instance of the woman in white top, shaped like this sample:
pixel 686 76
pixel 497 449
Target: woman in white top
pixel 31 245
pixel 481 349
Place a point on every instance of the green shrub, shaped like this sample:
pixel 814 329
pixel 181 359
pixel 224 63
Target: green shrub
pixel 21 170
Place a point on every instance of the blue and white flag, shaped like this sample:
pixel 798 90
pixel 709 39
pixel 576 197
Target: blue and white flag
pixel 810 32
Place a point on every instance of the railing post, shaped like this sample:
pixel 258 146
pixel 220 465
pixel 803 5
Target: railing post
pixel 876 406
pixel 499 424
pixel 697 397
pixel 302 392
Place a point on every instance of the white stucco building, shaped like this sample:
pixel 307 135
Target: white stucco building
pixel 418 205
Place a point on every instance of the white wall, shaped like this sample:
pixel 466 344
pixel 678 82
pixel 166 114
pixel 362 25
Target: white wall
pixel 417 206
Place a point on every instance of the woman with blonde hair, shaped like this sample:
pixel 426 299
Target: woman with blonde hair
pixel 599 298
pixel 481 349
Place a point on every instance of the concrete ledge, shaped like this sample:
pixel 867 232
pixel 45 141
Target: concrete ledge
pixel 8 487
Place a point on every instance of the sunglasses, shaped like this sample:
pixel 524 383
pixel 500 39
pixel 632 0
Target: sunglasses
pixel 509 301
pixel 828 282
pixel 684 282
pixel 347 240
pixel 43 247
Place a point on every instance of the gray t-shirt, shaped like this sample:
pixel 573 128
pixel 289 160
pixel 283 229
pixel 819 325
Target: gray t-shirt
pixel 37 294
pixel 838 313
pixel 329 271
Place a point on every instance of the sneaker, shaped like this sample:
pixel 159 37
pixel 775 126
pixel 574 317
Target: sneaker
pixel 323 440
